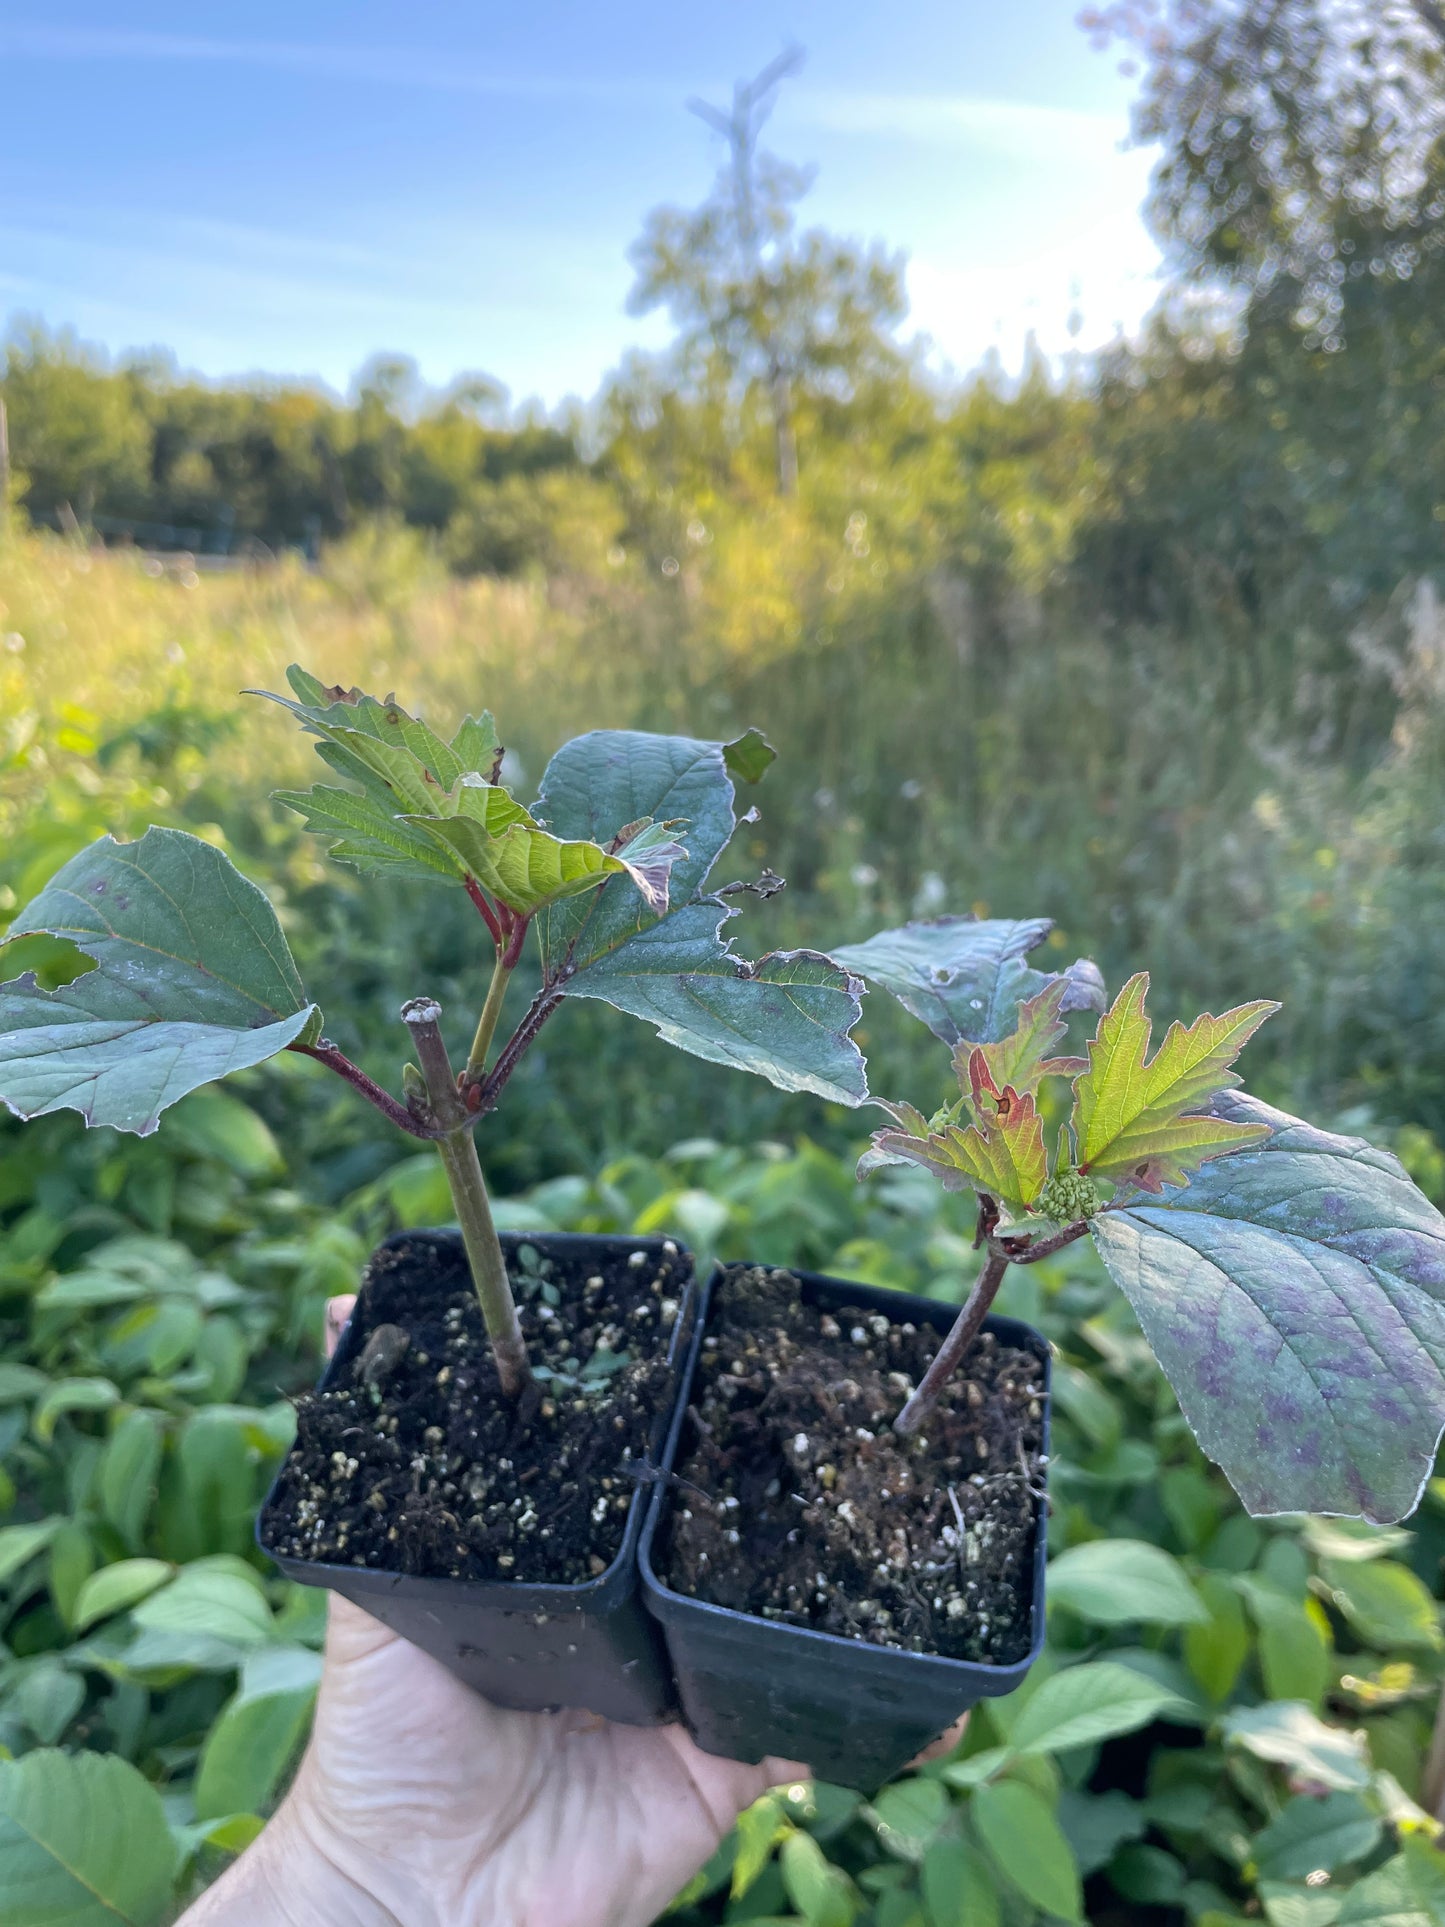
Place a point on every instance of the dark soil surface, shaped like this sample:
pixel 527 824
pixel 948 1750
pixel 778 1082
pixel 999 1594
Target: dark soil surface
pixel 801 1504
pixel 414 1462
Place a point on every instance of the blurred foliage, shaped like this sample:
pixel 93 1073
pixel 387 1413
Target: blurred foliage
pixel 1243 1721
pixel 1154 646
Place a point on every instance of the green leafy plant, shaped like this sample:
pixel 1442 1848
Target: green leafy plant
pixel 1291 1282
pixel 193 978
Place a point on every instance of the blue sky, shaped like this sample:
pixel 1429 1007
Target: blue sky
pixel 295 187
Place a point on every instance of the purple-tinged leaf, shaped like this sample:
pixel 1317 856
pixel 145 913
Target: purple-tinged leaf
pixel 966 978
pixel 1295 1296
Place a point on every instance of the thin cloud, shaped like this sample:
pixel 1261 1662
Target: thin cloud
pixel 957 120
pixel 388 66
pixel 928 119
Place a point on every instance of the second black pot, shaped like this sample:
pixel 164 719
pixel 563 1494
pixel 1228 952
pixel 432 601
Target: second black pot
pixel 531 1647
pixel 853 1713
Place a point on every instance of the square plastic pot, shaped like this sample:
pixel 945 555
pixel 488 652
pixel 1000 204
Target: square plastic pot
pixel 854 1713
pixel 532 1647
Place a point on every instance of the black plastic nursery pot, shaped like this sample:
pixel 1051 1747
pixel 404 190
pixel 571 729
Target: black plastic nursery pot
pixel 527 1646
pixel 855 1713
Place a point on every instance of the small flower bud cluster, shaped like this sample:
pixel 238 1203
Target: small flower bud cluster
pixel 1067 1197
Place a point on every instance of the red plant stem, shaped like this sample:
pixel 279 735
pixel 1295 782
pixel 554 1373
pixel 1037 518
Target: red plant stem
pixel 357 1078
pixel 1002 1252
pixel 511 956
pixel 1029 1254
pixel 488 909
pixel 951 1352
pixel 543 1004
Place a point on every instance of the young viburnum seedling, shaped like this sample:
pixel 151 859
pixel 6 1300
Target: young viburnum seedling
pixel 1291 1282
pixel 193 978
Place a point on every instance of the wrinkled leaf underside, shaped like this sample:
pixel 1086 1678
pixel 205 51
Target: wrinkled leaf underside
pixel 193 980
pixel 429 808
pixel 1295 1296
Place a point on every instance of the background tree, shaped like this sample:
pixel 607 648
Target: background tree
pixel 759 306
pixel 1300 197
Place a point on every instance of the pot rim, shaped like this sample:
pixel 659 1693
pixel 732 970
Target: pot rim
pixel 608 1589
pixel 668 1605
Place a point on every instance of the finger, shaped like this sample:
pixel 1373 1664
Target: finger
pixel 944 1744
pixel 338 1310
pixel 351 1632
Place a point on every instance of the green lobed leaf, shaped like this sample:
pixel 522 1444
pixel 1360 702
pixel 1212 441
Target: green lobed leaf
pixel 83 1843
pixel 965 977
pixel 1139 1121
pixel 378 744
pixel 1021 1060
pixel 1026 1845
pixel 1295 1296
pixel 400 765
pixel 1001 1153
pixel 492 838
pixel 1117 1582
pixel 1088 1703
pixel 193 981
pixel 786 1017
pixel 370 836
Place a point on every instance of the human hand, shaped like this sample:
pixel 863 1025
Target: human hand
pixel 419 1804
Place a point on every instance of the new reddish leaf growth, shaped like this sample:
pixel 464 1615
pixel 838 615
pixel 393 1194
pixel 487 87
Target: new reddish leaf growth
pixel 1292 1283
